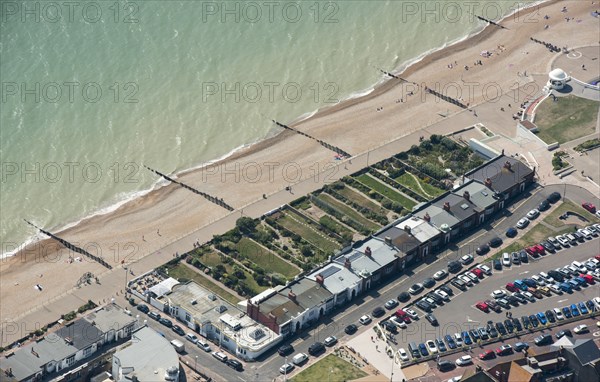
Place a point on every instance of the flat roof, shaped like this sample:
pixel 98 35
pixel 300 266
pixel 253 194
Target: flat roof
pixel 109 317
pixel 419 228
pixel 80 333
pixel 336 278
pixel 251 335
pixel 201 303
pixel 148 354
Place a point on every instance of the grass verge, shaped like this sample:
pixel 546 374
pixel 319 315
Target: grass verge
pixel 332 368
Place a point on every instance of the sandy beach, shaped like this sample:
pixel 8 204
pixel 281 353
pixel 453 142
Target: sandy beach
pixel 146 225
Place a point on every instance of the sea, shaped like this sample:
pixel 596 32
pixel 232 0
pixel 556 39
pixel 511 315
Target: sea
pixel 93 91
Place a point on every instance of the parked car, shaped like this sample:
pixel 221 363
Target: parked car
pixel 485 269
pixel 487 354
pixel 154 315
pixel 482 250
pixel 534 213
pixel 432 320
pixel 143 308
pixel 464 360
pixel 439 275
pixel 177 329
pixel 504 350
pixel 553 197
pixel 515 258
pixel 524 222
pixel 365 320
pixel 579 329
pixel 403 355
pixel 495 242
pixel 428 282
pixel 589 206
pixel 458 283
pixel 286 368
pixel 447 289
pixel 350 329
pixel 519 346
pixel 544 205
pixel 391 304
pixel 497 264
pixel 564 332
pixel 431 346
pixel 404 296
pixel 166 322
pixel 466 259
pixel 544 339
pixel 378 312
pixel 523 256
pixel 285 350
pixel 454 266
pixel 506 259
pixel 316 348
pixel 511 232
pixel 416 288
pixel 444 365
pixel 234 364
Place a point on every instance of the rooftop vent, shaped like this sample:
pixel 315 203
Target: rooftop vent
pixel 464 206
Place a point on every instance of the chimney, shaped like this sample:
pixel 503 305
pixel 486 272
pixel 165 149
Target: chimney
pixel 407 229
pixel 507 165
pixel 319 279
pixel 488 183
pixel 447 206
pixel 427 218
pixel 368 249
pixel 292 296
pixel 388 240
pixel 347 263
pixel 466 195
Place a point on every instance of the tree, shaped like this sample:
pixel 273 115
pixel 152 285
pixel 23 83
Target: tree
pixel 306 251
pixel 246 225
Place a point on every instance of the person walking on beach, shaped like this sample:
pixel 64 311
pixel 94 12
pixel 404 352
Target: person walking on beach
pixel 158 232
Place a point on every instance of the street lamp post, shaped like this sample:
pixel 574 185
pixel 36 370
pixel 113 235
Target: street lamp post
pixel 125 268
pixel 285 371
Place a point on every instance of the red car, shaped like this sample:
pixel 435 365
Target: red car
pixel 403 315
pixel 588 278
pixel 511 287
pixel 487 354
pixel 540 249
pixel 532 251
pixel 482 306
pixel 589 206
pixel 597 257
pixel 477 272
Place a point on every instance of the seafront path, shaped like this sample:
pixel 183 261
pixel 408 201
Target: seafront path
pixel 112 283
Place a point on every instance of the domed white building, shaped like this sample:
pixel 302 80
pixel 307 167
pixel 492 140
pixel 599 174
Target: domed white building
pixel 557 79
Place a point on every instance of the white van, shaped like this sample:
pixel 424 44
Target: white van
pixel 299 359
pixel 220 356
pixel 202 344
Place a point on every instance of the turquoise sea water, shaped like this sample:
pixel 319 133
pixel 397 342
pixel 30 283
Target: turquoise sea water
pixel 92 92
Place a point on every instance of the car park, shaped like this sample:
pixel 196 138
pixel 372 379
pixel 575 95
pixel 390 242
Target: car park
pixel 439 275
pixel 391 304
pixel 365 320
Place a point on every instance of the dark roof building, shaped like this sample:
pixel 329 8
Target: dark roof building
pixel 504 175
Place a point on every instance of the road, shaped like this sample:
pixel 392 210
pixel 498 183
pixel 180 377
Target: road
pixel 267 367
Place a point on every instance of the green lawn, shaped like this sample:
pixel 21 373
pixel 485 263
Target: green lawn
pixel 332 225
pixel 265 258
pixel 553 217
pixel 348 211
pixel 211 259
pixel 308 234
pixel 567 119
pixel 386 191
pixel 408 181
pixel 331 368
pixel 183 272
pixel 361 200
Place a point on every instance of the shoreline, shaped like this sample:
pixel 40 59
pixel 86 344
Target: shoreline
pixel 357 128
pixel 382 86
